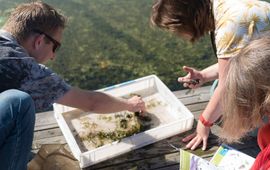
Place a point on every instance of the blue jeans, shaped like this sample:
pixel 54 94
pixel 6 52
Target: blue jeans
pixel 17 120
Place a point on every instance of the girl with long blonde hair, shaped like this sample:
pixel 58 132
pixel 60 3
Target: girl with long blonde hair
pixel 246 98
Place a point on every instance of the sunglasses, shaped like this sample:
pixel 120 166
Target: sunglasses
pixel 56 44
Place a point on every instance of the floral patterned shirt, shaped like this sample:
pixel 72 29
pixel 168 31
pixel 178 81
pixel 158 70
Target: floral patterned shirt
pixel 236 22
pixel 20 71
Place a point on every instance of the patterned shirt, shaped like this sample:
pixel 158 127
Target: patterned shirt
pixel 20 71
pixel 236 22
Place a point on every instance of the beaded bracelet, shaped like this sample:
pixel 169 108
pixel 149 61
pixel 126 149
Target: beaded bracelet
pixel 205 122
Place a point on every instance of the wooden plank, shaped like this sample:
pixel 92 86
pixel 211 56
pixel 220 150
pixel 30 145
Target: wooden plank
pixel 197 107
pixel 47 133
pixel 53 140
pixel 45 120
pixel 195 99
pixel 192 92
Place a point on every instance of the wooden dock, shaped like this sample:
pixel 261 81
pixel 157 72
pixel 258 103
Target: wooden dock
pixel 160 155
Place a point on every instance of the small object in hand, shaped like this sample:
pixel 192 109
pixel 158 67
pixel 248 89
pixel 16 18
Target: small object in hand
pixel 193 81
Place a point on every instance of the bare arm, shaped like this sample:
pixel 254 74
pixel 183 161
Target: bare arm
pixel 100 102
pixel 211 73
pixel 211 113
pixel 213 109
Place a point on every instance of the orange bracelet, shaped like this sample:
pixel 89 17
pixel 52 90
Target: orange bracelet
pixel 205 122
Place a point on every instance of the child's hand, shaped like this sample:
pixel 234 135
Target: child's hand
pixel 193 79
pixel 200 136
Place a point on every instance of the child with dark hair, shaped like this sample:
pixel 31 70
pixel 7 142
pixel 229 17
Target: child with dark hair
pixel 231 24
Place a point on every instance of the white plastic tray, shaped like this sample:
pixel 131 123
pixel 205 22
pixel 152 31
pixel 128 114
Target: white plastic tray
pixel 172 118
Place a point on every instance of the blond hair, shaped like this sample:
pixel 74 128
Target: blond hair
pixel 33 16
pixel 184 16
pixel 247 90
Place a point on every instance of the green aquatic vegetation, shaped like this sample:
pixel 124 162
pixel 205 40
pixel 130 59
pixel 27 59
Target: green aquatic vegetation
pixel 106 118
pixel 123 123
pixel 126 123
pixel 153 103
